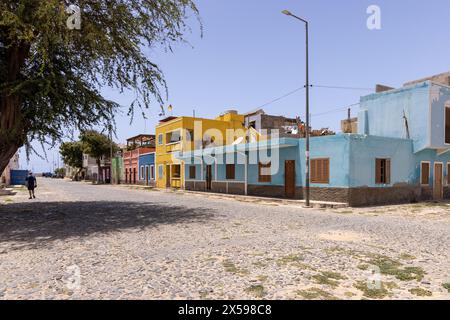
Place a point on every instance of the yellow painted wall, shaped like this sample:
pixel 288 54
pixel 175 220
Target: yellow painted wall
pixel 213 128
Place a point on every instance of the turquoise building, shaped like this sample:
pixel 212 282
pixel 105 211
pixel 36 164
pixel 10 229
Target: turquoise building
pixel 400 154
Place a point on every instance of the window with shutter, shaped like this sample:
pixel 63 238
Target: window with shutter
pixel 320 171
pixel 192 173
pixel 382 171
pixel 448 174
pixel 264 172
pixel 425 174
pixel 231 172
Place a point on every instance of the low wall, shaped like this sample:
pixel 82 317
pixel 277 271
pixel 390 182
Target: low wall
pixel 361 197
pixel 355 197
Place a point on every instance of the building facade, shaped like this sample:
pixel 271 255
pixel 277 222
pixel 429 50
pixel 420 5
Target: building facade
pixel 400 154
pixel 147 173
pixel 5 177
pixel 136 146
pixel 177 134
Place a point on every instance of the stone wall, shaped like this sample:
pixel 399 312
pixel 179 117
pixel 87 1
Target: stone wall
pixel 447 192
pixel 195 185
pixel 355 197
pixel 359 197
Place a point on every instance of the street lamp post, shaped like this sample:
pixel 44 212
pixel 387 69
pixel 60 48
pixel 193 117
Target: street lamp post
pixel 307 154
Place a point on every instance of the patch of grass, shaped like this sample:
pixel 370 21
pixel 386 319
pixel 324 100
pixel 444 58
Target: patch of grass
pixel 328 278
pixel 293 258
pixel 257 291
pixel 262 278
pixel 232 268
pixel 8 200
pixel 333 275
pixel 315 294
pixel 349 294
pixel 420 292
pixel 407 257
pixel 394 268
pixel 446 286
pixel 259 264
pixel 321 279
pixel 363 267
pixel 372 293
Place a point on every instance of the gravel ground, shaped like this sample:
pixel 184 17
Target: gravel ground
pixel 80 241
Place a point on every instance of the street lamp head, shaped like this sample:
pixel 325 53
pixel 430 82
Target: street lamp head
pixel 286 12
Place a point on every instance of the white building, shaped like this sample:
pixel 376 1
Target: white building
pixel 5 177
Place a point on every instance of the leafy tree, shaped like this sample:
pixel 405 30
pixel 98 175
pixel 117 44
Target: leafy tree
pixel 97 145
pixel 72 154
pixel 51 76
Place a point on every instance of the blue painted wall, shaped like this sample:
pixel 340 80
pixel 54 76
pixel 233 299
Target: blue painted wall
pixel 364 150
pixel 382 114
pixel 147 160
pixel 352 161
pixel 440 98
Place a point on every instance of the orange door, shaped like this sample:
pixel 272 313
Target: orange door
pixel 438 190
pixel 289 179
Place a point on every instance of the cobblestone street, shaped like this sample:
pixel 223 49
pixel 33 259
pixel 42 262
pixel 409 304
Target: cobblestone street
pixel 80 241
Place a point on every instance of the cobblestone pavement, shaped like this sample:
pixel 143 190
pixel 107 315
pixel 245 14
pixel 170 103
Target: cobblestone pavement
pixel 80 241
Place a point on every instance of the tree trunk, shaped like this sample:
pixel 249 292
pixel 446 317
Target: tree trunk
pixel 13 128
pixel 77 175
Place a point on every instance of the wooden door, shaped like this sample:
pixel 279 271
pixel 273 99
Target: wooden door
pixel 289 174
pixel 438 190
pixel 208 177
pixel 147 175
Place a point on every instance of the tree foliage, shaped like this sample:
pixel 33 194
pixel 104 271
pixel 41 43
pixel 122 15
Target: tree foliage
pixel 72 154
pixel 97 145
pixel 51 78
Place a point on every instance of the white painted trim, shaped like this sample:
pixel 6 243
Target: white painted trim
pixel 152 172
pixel 162 140
pixel 429 173
pixel 147 154
pixel 141 172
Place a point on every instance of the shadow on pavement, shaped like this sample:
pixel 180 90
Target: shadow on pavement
pixel 30 225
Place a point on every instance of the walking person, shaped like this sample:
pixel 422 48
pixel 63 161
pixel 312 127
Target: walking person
pixel 32 184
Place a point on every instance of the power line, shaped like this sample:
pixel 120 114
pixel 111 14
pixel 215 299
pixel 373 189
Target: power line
pixel 282 97
pixel 341 87
pixel 335 110
pixel 313 86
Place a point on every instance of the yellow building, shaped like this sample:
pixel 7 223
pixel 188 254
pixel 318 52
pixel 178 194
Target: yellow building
pixel 186 134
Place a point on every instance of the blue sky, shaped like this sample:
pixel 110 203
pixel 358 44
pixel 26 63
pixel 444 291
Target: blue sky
pixel 251 54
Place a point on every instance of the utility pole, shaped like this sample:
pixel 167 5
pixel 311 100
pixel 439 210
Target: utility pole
pixel 307 153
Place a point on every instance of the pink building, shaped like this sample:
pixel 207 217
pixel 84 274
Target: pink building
pixel 136 146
